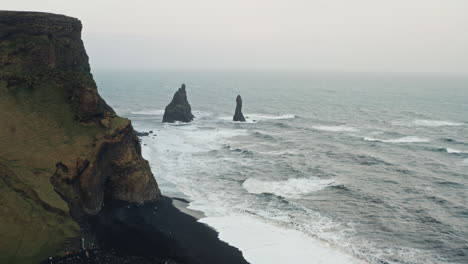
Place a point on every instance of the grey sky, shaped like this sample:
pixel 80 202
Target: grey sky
pixel 315 35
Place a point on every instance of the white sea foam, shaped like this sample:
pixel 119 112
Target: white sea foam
pixel 188 138
pixel 274 235
pixel 178 123
pixel 279 152
pixel 149 112
pixel 408 139
pixel 435 123
pixel 264 243
pixel 341 128
pixel 268 117
pixel 248 120
pixel 291 188
pixel 201 114
pixel 456 151
pixel 254 118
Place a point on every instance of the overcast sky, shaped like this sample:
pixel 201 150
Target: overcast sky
pixel 309 35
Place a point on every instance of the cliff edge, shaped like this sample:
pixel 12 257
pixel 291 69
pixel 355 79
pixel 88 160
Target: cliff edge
pixel 64 152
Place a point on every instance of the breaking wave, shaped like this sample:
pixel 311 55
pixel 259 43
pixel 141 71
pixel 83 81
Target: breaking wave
pixel 259 117
pixel 341 128
pixel 291 188
pixel 456 151
pixel 408 139
pixel 149 112
pixel 435 123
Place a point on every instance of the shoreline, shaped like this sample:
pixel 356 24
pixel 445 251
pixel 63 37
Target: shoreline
pixel 155 232
pixel 260 241
pixel 184 206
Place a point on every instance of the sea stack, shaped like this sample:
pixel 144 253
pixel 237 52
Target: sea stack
pixel 179 108
pixel 238 116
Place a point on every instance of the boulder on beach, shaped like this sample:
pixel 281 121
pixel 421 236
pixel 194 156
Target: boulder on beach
pixel 179 108
pixel 238 116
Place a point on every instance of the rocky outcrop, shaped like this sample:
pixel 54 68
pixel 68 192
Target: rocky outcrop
pixel 179 108
pixel 238 116
pixel 64 152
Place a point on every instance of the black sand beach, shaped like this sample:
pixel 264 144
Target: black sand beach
pixel 152 233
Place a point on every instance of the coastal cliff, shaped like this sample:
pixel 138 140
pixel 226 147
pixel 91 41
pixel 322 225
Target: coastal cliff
pixel 64 153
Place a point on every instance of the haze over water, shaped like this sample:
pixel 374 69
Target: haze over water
pixel 371 166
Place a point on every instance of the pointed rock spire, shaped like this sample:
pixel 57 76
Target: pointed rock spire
pixel 238 116
pixel 179 108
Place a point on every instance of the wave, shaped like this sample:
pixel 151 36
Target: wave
pixel 435 123
pixel 149 112
pixel 281 153
pixel 263 135
pixel 254 118
pixel 247 120
pixel 451 151
pixel 407 139
pixel 239 150
pixel 264 242
pixel 456 151
pixel 291 188
pixel 201 114
pixel 259 117
pixel 178 123
pixel 340 128
pixel 454 141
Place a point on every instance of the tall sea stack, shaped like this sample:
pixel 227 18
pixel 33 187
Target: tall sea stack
pixel 179 108
pixel 64 152
pixel 238 116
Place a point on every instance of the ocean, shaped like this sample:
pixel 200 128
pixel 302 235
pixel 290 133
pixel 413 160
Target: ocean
pixel 328 168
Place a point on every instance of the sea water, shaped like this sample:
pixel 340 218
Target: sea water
pixel 328 168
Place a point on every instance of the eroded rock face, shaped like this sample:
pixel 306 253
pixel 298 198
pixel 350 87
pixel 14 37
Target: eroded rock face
pixel 62 148
pixel 179 108
pixel 238 116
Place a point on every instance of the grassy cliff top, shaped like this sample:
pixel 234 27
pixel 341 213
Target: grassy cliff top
pixel 62 148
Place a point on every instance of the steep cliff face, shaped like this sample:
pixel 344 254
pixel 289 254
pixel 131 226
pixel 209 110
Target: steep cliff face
pixel 63 151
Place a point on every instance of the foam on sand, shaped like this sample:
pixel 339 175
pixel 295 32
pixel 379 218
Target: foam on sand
pixel 408 139
pixel 291 188
pixel 340 128
pixel 263 243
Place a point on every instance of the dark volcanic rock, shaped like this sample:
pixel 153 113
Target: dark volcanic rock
pixel 179 109
pixel 142 134
pixel 156 232
pixel 238 116
pixel 159 230
pixel 63 151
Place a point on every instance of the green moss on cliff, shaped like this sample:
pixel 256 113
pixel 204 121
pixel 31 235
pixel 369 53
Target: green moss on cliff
pixel 31 229
pixel 62 148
